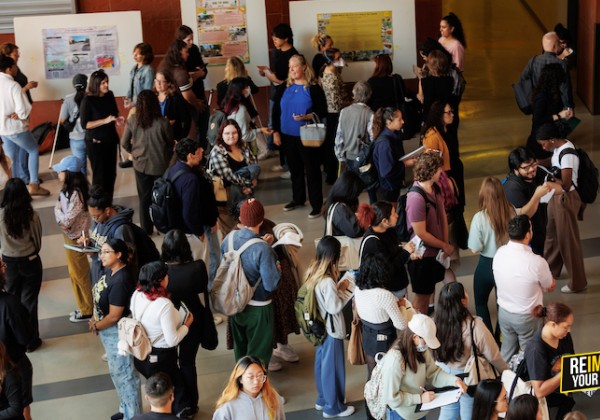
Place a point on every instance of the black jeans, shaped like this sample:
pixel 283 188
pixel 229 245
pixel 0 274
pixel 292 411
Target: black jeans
pixel 103 160
pixel 304 160
pixel 24 280
pixel 144 185
pixel 164 360
pixel 188 348
pixel 330 162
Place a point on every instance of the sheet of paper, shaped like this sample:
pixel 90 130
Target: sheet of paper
pixel 546 198
pixel 414 153
pixel 88 250
pixel 349 292
pixel 419 246
pixel 442 399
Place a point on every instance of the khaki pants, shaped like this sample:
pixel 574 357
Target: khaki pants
pixel 563 245
pixel 79 271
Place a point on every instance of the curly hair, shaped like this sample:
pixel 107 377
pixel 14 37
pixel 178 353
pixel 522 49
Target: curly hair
pixel 150 278
pixel 427 165
pixel 147 109
pixel 375 271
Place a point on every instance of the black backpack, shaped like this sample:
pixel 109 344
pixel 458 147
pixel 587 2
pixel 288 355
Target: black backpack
pixel 587 176
pixel 145 248
pixel 214 122
pixel 366 168
pixel 163 208
pixel 402 230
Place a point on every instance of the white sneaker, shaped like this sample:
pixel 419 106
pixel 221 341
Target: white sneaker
pixel 346 413
pixel 277 168
pixel 286 352
pixel 318 407
pixel 286 175
pixel 104 357
pixel 218 319
pixel 274 366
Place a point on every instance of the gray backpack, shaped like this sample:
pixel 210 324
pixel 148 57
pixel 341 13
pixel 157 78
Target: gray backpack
pixel 231 291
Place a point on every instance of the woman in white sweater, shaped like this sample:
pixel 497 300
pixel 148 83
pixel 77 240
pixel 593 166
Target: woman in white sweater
pixel 151 306
pixel 330 372
pixel 377 307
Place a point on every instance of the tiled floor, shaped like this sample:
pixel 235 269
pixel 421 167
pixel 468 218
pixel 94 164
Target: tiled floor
pixel 72 382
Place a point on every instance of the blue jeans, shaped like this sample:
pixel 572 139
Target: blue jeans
pixel 122 373
pixel 250 172
pixel 392 415
pixel 215 254
pixel 330 376
pixel 78 149
pixel 464 406
pixel 17 147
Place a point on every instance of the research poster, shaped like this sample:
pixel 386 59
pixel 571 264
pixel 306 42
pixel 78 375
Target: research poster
pixel 68 51
pixel 222 30
pixel 360 35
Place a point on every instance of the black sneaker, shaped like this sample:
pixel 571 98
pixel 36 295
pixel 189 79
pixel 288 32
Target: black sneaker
pixel 117 416
pixel 315 214
pixel 126 164
pixel 77 316
pixel 31 347
pixel 291 206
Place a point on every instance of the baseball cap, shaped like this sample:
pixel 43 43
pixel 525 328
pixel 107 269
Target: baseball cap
pixel 425 328
pixel 69 163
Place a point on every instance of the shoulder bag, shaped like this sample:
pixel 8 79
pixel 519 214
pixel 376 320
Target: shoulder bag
pixel 349 258
pixel 313 134
pixel 478 367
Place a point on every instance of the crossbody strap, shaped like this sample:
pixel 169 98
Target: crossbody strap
pixel 140 321
pixel 474 350
pixel 329 228
pixel 243 248
pixel 362 245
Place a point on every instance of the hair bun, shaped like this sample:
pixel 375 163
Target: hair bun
pixel 544 312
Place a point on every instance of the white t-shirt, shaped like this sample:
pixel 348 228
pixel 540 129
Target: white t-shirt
pixel 569 160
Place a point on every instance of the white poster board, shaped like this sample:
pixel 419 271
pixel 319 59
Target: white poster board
pixel 257 40
pixel 303 20
pixel 28 36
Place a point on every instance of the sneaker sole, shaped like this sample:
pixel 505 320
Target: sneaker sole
pixel 285 357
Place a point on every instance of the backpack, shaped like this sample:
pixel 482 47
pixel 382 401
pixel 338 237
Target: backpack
pixel 214 122
pixel 44 135
pixel 402 230
pixel 231 291
pixel 69 125
pixel 374 388
pixel 133 338
pixel 145 248
pixel 587 176
pixel 366 168
pixel 524 90
pixel 164 206
pixel 308 316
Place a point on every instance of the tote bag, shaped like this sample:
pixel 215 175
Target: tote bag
pixel 313 134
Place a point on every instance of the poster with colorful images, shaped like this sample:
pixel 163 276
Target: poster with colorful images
pixel 222 30
pixel 360 35
pixel 68 51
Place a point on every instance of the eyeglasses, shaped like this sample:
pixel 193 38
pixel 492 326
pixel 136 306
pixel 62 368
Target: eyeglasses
pixel 105 252
pixel 258 378
pixel 528 167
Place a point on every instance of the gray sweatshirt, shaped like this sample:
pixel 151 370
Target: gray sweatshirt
pixel 247 408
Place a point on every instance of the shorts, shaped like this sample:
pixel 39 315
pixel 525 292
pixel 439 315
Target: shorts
pixel 424 274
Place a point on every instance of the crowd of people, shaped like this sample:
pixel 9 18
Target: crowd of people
pixel 407 241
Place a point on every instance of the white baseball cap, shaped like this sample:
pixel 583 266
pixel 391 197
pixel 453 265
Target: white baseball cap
pixel 425 328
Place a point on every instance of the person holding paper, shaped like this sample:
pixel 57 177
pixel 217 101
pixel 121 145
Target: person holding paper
pixel 408 366
pixel 74 220
pixel 164 327
pixel 330 373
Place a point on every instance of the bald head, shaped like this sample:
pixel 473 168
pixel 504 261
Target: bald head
pixel 550 42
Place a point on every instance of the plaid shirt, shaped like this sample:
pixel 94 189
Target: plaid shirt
pixel 219 166
pixel 534 68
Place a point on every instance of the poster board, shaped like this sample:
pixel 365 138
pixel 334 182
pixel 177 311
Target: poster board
pixel 29 37
pixel 304 20
pixel 256 35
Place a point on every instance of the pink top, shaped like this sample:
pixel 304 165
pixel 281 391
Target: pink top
pixel 454 47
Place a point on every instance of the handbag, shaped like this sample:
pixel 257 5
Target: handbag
pixel 349 256
pixel 313 134
pixel 356 354
pixel 478 367
pixel 515 386
pixel 411 109
pixel 219 189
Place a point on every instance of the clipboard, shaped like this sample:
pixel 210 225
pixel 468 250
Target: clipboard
pixel 86 250
pixel 413 154
pixel 441 399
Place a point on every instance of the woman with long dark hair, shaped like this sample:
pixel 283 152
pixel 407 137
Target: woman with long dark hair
pixel 408 366
pixel 490 400
pixel 69 111
pixel 344 196
pixel 99 115
pixel 149 139
pixel 489 231
pixel 172 105
pixel 294 106
pixel 21 241
pixel 379 221
pixel 72 216
pixel 387 87
pixel 112 292
pixel 321 279
pixel 524 407
pixel 164 327
pixel 543 355
pixel 249 385
pixel 457 329
pixel 452 37
pixel 235 106
pixel 187 279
